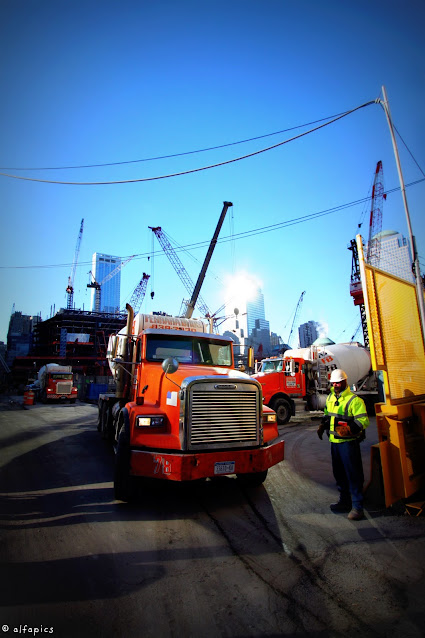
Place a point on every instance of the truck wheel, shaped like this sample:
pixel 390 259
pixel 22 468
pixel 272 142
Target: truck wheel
pixel 104 421
pixel 283 411
pixel 123 481
pixel 252 480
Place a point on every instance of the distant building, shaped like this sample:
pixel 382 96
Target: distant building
pixel 308 332
pixel 248 326
pixel 20 335
pixel 395 255
pixel 102 266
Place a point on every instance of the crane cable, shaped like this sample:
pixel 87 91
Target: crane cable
pixel 193 170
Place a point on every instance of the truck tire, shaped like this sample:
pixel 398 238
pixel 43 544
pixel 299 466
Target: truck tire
pixel 103 418
pixel 252 480
pixel 123 481
pixel 283 411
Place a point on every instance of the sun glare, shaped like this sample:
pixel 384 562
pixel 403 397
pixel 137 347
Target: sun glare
pixel 241 288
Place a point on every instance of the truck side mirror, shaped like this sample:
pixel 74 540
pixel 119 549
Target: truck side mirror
pixel 170 365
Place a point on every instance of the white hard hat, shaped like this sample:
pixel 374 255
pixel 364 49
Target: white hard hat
pixel 338 375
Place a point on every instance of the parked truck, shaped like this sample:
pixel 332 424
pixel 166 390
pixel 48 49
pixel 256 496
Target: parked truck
pixel 181 411
pixel 304 373
pixel 55 382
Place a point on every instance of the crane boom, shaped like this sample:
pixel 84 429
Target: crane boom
pixel 179 268
pixel 70 287
pixel 296 315
pixel 195 294
pixel 139 293
pixel 373 248
pixel 375 221
pixel 98 285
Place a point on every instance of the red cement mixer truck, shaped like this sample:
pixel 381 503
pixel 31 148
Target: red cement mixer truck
pixel 304 373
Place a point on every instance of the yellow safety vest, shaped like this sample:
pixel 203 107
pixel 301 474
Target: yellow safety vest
pixel 346 406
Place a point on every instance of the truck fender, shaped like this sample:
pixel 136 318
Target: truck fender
pixel 283 405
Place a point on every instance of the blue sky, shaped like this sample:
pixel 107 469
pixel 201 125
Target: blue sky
pixel 96 82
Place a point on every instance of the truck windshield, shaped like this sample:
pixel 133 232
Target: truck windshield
pixel 189 350
pixel 272 366
pixel 68 377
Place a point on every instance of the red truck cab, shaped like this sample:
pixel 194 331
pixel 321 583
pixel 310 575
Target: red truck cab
pixel 185 413
pixel 282 380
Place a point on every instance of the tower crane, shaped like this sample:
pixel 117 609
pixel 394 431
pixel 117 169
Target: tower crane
pixel 296 315
pixel 375 222
pixel 373 248
pixel 139 293
pixel 70 287
pixel 98 285
pixel 194 291
pixel 179 268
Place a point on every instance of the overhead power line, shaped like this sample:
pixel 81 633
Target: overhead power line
pixel 193 170
pixel 242 235
pixel 161 157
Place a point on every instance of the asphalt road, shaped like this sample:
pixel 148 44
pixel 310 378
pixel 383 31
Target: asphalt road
pixel 205 560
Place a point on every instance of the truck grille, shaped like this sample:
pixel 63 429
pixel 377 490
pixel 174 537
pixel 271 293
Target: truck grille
pixel 63 387
pixel 221 418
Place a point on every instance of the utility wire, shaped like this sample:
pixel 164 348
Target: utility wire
pixel 232 237
pixel 160 157
pixel 193 170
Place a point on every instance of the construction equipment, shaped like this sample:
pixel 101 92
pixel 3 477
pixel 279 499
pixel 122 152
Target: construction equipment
pixel 179 268
pixel 70 287
pixel 195 294
pixel 375 221
pixel 139 293
pixel 373 248
pixel 194 291
pixel 304 373
pixel 55 381
pixel 296 315
pixel 98 285
pixel 398 354
pixel 181 412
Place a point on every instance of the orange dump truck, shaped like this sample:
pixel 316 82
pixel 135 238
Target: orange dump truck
pixel 181 411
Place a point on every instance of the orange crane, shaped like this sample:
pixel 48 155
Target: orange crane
pixel 373 247
pixel 70 287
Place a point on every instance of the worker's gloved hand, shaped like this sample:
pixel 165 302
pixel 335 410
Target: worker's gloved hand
pixel 347 428
pixel 320 430
pixel 355 429
pixel 324 425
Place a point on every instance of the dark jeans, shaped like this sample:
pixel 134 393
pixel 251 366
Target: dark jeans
pixel 347 467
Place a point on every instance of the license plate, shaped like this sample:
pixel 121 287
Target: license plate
pixel 228 467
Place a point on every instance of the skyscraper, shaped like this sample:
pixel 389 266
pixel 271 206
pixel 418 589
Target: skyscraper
pixel 252 328
pixel 102 266
pixel 308 332
pixel 395 256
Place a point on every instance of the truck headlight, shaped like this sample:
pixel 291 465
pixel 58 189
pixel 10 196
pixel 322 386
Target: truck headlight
pixel 150 421
pixel 269 417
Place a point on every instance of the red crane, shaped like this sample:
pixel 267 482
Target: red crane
pixel 375 222
pixel 70 287
pixel 373 247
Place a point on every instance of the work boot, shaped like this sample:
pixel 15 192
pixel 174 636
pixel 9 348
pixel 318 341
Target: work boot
pixel 341 506
pixel 355 515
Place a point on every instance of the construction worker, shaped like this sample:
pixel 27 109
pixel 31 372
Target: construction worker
pixel 345 421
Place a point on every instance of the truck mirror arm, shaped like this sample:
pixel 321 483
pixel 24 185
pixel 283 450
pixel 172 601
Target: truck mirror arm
pixel 121 363
pixel 170 365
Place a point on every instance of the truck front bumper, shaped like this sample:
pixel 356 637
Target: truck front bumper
pixel 178 466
